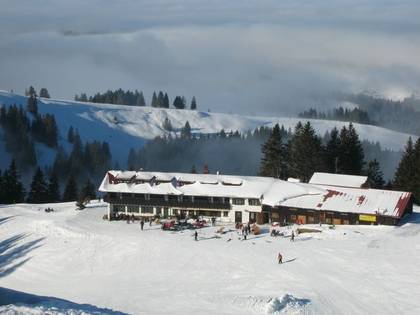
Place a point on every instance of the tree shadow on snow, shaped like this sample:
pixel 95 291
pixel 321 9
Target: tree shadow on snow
pixel 5 219
pixel 8 296
pixel 13 252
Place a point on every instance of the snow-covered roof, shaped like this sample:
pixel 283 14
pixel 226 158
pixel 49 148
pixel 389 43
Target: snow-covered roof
pixel 353 200
pixel 271 191
pixel 338 180
pixel 210 185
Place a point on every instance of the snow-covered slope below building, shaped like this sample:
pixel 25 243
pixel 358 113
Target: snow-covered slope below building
pixel 124 127
pixel 73 262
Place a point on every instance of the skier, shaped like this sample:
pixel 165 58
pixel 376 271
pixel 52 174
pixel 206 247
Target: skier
pixel 141 224
pixel 280 258
pixel 245 234
pixel 128 219
pixel 132 218
pixel 196 235
pixel 292 238
pixel 150 222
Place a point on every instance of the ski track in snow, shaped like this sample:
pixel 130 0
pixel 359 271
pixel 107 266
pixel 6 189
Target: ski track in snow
pixel 99 267
pixel 125 127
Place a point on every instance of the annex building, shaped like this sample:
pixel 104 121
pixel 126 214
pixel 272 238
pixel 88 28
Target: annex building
pixel 327 198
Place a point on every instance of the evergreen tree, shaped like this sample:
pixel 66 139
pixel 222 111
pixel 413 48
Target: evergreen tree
pixel 186 131
pixel 132 159
pixel 375 174
pixel 416 175
pixel 193 170
pixel 305 153
pixel 167 125
pixel 44 93
pixel 140 100
pixel 332 151
pixel 154 100
pixel 179 102
pixel 53 189
pixel 71 191
pixel 274 159
pixel 2 188
pixel 39 190
pixel 13 191
pixel 166 101
pixel 88 191
pixel 193 103
pixel 70 135
pixel 351 155
pixel 32 103
pixel 404 176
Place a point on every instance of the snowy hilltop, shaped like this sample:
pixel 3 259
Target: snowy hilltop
pixel 125 127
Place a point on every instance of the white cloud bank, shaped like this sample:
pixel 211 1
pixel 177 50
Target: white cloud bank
pixel 252 56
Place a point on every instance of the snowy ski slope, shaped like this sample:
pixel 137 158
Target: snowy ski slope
pixel 73 262
pixel 124 127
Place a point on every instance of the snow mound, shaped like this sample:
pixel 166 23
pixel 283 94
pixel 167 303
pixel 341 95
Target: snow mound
pixel 286 304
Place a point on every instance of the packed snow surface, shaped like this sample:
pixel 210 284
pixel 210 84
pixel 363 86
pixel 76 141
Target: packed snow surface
pixel 74 262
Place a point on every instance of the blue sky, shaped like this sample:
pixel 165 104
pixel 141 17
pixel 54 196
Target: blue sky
pixel 246 56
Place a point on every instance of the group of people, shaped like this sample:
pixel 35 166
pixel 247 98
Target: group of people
pixel 132 218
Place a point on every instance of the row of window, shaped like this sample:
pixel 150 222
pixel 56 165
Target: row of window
pixel 241 201
pixel 165 211
pixel 181 198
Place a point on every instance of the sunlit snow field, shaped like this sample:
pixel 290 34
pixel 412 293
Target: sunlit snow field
pixel 74 261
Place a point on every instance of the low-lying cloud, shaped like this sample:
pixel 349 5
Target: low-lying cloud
pixel 240 56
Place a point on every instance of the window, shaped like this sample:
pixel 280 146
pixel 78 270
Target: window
pixel 254 202
pixel 147 197
pixel 146 209
pixel 238 201
pixel 119 208
pixel 218 200
pixel 225 213
pixel 159 211
pixel 133 208
pixel 311 220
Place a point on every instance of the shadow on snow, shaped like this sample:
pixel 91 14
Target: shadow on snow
pixel 8 296
pixel 13 252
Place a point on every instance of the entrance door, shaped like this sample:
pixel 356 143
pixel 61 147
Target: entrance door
pixel 252 217
pixel 238 216
pixel 301 219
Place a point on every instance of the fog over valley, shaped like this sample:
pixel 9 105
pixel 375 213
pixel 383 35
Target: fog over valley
pixel 275 58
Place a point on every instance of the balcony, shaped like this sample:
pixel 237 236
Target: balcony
pixel 170 203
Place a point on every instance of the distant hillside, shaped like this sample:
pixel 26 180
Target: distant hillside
pixel 124 127
pixel 401 116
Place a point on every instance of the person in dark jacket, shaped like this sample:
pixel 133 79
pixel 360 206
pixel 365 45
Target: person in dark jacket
pixel 196 235
pixel 292 238
pixel 280 258
pixel 141 224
